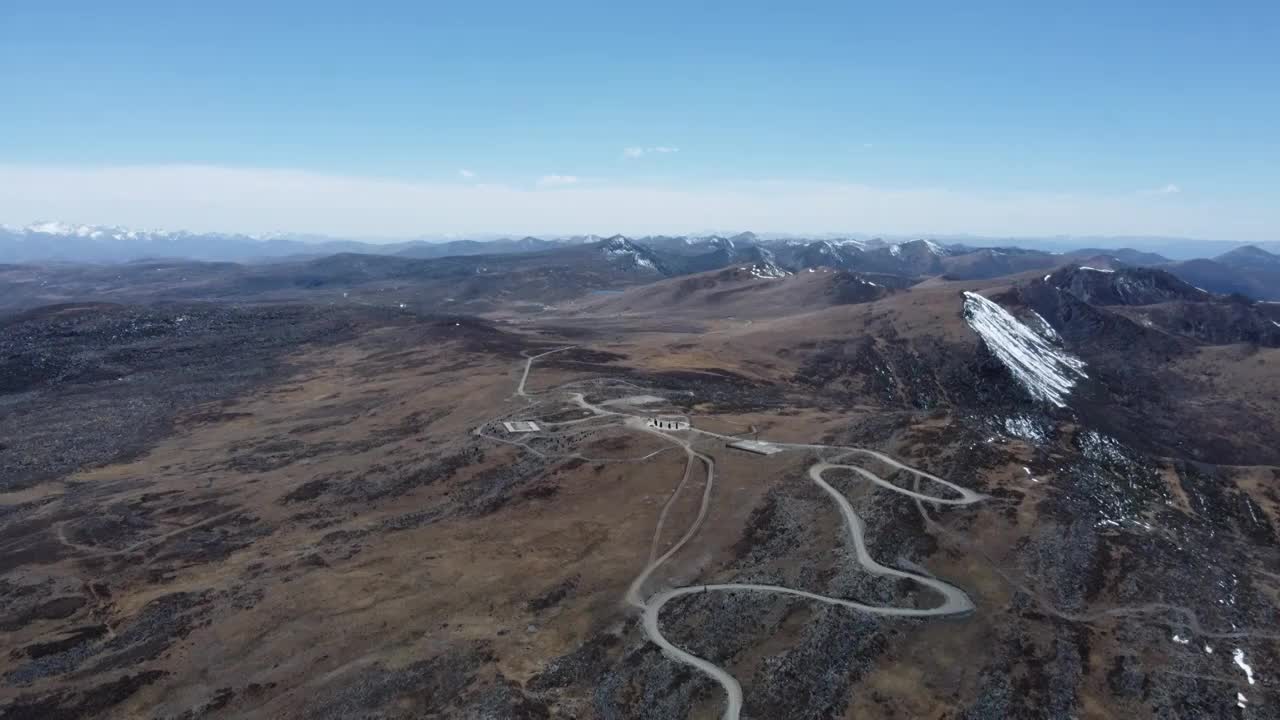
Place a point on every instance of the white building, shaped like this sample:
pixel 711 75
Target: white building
pixel 520 426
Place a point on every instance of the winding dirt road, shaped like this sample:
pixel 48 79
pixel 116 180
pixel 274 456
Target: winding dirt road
pixel 954 601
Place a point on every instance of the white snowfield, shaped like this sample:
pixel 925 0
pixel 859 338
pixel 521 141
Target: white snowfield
pixel 1047 372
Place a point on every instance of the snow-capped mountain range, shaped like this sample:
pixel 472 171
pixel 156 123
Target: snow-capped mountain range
pixel 1248 270
pixel 71 242
pixel 60 241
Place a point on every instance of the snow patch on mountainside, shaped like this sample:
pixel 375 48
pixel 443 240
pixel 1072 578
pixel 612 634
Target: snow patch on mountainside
pixel 629 257
pixel 621 251
pixel 1047 372
pixel 1027 428
pixel 1044 328
pixel 932 247
pixel 722 243
pixel 767 271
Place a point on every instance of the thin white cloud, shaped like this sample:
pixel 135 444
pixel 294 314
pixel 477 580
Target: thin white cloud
pixel 256 200
pixel 636 152
pixel 466 174
pixel 557 180
pixel 1167 189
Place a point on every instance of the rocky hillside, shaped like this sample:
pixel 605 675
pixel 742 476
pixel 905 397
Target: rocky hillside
pixel 1125 286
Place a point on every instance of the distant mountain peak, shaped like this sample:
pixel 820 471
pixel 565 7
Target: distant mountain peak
pixel 918 246
pixel 617 242
pixel 1248 255
pixel 1250 250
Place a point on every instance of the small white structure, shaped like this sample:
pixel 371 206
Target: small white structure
pixel 669 422
pixel 755 446
pixel 520 426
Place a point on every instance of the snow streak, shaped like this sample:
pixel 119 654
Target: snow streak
pixel 1046 371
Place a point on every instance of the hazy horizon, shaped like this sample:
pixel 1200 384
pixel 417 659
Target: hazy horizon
pixel 253 201
pixel 51 226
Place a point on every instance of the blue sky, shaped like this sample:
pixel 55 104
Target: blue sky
pixel 983 117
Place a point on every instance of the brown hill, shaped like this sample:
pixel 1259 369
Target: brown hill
pixel 276 511
pixel 751 291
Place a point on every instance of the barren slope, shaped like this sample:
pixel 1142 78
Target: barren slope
pixel 357 535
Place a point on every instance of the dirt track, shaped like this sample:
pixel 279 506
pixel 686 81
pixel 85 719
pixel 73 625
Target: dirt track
pixel 954 600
